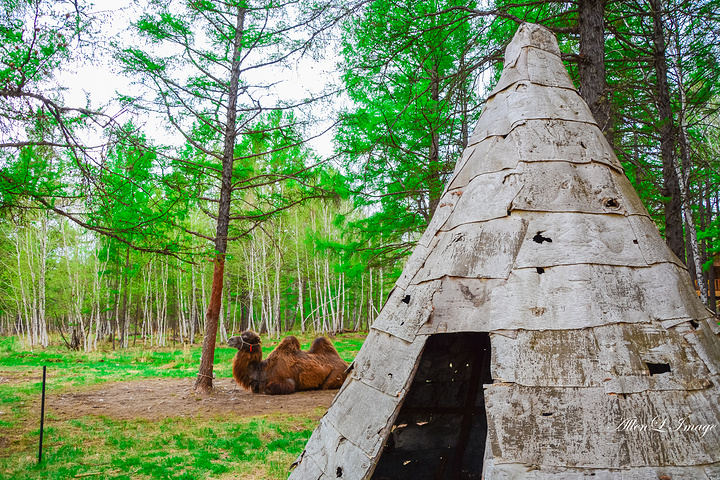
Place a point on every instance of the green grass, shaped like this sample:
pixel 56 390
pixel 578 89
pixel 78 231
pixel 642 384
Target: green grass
pixel 101 447
pixel 172 448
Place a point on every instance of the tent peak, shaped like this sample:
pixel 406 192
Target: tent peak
pixel 532 35
pixel 527 60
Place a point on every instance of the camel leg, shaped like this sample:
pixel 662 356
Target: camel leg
pixel 283 387
pixel 334 379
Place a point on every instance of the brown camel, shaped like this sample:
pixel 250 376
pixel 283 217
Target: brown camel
pixel 287 369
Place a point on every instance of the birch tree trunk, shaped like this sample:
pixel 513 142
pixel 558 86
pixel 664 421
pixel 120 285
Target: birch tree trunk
pixel 123 334
pixel 276 302
pixel 42 272
pixel 194 308
pixel 301 301
pixel 684 176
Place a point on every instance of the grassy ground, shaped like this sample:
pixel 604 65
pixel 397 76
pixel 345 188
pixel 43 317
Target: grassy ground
pixel 101 447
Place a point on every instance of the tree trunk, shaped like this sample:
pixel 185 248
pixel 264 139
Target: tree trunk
pixel 301 284
pixel 194 308
pixel 692 235
pixel 712 297
pixel 203 384
pixel 666 132
pixel 591 68
pixel 123 335
pixel 435 186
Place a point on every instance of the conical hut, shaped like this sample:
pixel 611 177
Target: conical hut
pixel 541 328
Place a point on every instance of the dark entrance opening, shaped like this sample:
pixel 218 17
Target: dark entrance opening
pixel 441 429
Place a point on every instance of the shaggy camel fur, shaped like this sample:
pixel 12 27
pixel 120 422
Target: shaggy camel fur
pixel 287 369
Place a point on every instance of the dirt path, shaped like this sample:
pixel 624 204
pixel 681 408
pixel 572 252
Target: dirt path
pixel 155 399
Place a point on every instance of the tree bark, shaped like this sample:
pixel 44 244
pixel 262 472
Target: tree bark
pixel 123 336
pixel 435 186
pixel 204 384
pixel 666 132
pixel 591 68
pixel 712 297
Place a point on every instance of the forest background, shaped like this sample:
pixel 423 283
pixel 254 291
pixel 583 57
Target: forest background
pixel 195 204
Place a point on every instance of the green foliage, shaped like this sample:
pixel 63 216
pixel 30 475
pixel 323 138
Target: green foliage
pixel 34 41
pixel 408 70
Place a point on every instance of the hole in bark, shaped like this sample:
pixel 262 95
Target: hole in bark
pixel 546 414
pixel 538 238
pixel 694 324
pixel 509 212
pixel 612 203
pixel 406 299
pixel 658 368
pixel 635 241
pixel 338 472
pixel 540 270
pixel 582 144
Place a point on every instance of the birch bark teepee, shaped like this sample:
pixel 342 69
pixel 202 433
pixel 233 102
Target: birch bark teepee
pixel 541 328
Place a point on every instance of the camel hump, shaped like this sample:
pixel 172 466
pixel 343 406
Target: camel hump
pixel 322 345
pixel 289 343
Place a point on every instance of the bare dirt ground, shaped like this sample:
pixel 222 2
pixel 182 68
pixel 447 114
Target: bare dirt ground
pixel 155 399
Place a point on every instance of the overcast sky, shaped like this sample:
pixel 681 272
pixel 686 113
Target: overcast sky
pixel 99 80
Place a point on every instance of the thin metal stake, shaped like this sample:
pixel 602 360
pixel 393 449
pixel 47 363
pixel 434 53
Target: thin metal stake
pixel 42 414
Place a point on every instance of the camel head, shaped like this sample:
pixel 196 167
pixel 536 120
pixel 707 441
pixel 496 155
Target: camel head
pixel 248 341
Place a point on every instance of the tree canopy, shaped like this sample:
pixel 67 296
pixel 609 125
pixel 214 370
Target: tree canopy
pixel 112 213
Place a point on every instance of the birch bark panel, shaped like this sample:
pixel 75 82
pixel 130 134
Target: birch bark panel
pixel 546 140
pixel 707 345
pixel 406 311
pixel 526 101
pixel 529 35
pixel 363 415
pixel 491 155
pixel 486 197
pixel 307 468
pixel 614 357
pixel 567 187
pixel 331 453
pixel 516 471
pixel 588 428
pixel 480 250
pixel 678 413
pixel 444 210
pixel 415 263
pixel 531 64
pixel 575 238
pixel 563 297
pixel 653 247
pixel 371 365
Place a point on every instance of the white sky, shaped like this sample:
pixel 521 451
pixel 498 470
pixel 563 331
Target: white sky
pixel 99 81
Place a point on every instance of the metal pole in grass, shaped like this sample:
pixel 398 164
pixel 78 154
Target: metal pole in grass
pixel 42 414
